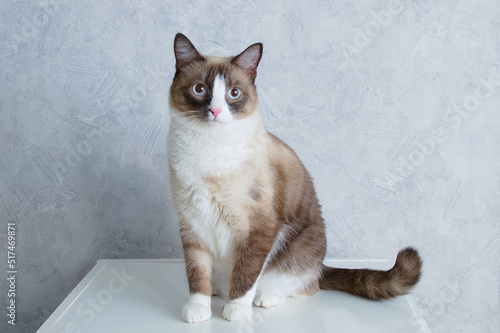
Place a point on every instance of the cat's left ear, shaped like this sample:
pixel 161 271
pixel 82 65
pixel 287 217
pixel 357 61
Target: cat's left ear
pixel 249 59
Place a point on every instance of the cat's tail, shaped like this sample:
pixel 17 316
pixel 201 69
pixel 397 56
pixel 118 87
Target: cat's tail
pixel 375 284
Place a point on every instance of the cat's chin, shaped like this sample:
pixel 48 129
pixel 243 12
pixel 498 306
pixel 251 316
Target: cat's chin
pixel 217 123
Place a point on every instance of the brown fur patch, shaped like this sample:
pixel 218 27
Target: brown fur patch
pixel 198 270
pixel 254 191
pixel 250 254
pixel 198 261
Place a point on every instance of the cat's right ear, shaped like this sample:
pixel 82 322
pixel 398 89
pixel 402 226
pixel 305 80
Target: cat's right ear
pixel 185 52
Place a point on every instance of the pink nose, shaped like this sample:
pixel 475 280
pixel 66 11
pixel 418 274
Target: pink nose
pixel 215 112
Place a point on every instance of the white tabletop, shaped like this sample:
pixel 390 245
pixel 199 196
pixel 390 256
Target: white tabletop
pixel 148 296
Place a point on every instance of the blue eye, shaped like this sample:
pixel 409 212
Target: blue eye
pixel 199 89
pixel 233 93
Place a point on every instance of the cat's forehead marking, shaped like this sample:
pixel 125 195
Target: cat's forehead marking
pixel 219 86
pixel 219 100
pixel 219 93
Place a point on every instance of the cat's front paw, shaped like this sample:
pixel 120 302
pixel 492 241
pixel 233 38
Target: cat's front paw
pixel 194 313
pixel 236 311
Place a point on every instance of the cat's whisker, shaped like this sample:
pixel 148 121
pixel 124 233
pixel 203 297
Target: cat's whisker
pixel 188 121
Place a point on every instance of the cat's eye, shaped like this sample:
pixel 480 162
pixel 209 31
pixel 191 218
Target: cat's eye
pixel 199 89
pixel 233 93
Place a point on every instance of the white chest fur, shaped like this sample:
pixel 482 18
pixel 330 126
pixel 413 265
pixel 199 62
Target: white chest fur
pixel 195 153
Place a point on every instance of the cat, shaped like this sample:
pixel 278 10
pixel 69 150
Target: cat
pixel 250 221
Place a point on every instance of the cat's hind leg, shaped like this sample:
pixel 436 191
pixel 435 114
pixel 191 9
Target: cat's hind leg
pixel 275 286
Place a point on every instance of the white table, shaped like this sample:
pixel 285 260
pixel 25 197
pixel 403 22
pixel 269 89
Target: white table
pixel 148 296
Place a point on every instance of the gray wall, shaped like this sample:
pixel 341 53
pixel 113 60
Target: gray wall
pixel 393 106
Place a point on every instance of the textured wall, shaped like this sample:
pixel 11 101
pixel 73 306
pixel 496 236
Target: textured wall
pixel 392 105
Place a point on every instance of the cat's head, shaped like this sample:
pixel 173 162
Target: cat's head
pixel 214 90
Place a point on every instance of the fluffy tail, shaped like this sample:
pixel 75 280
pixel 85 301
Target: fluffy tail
pixel 374 284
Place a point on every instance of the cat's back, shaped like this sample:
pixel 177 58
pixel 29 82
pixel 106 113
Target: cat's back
pixel 294 185
pixel 285 163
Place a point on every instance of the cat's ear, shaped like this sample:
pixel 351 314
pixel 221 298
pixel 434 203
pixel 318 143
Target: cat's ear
pixel 185 52
pixel 249 59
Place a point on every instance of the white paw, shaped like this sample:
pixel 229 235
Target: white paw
pixel 269 299
pixel 266 303
pixel 236 311
pixel 194 313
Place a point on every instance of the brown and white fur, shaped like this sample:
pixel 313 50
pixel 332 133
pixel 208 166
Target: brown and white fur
pixel 250 221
